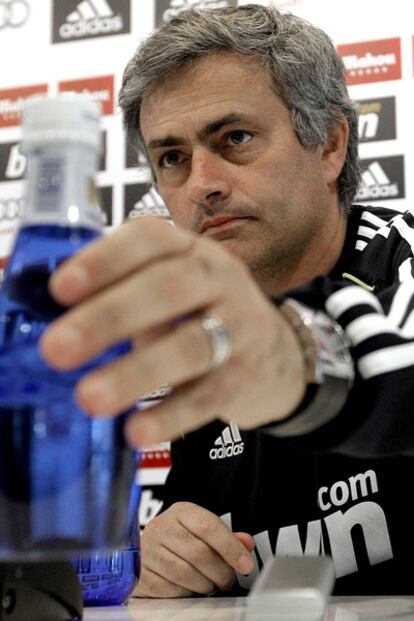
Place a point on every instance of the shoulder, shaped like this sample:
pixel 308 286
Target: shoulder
pixel 375 215
pixel 381 223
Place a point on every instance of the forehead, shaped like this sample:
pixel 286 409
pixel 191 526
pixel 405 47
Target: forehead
pixel 220 84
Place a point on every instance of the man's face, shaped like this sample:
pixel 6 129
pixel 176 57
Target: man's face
pixel 229 166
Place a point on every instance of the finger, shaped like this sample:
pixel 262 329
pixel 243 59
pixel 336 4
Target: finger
pixel 117 386
pixel 174 416
pixel 152 585
pixel 213 531
pixel 202 557
pixel 170 289
pixel 131 246
pixel 154 425
pixel 179 571
pixel 247 540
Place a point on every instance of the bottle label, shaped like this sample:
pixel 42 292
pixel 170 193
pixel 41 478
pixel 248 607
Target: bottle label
pixel 61 188
pixel 49 187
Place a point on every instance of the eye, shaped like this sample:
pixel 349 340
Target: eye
pixel 170 159
pixel 238 137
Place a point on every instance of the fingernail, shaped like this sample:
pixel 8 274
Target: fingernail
pixel 70 281
pixel 61 346
pixel 245 564
pixel 97 395
pixel 142 431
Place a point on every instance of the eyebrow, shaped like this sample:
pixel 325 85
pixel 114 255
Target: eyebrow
pixel 208 130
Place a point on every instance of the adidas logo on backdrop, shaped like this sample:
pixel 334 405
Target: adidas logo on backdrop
pixel 90 18
pixel 141 201
pixel 228 444
pixel 382 178
pixel 150 204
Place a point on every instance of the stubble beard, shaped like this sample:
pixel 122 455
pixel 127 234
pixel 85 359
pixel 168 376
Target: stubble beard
pixel 276 269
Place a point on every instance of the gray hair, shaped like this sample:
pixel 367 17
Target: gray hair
pixel 307 72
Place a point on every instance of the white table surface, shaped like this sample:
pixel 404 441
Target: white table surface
pixel 234 609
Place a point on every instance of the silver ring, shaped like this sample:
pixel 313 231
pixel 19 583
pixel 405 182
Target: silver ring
pixel 220 340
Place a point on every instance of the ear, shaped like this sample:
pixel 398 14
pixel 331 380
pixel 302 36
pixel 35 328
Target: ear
pixel 334 153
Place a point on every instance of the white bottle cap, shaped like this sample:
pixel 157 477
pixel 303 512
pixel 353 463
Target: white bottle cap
pixel 61 118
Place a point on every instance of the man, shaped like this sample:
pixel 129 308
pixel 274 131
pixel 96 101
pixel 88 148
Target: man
pixel 251 309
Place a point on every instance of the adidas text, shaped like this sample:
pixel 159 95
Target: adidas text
pixel 378 191
pixel 227 451
pixel 91 27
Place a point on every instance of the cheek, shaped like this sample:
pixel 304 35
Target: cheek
pixel 180 213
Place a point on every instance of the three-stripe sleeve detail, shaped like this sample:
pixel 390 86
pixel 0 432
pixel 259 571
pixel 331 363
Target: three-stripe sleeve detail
pixel 377 324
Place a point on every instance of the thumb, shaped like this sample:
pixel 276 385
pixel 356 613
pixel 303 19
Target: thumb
pixel 247 540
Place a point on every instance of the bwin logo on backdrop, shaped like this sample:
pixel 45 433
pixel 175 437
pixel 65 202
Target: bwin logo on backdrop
pixel 74 20
pixel 12 161
pixel 376 119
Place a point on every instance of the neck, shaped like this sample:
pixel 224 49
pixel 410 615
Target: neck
pixel 318 259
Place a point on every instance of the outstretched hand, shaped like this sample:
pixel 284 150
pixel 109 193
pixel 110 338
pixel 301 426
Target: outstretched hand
pixel 151 283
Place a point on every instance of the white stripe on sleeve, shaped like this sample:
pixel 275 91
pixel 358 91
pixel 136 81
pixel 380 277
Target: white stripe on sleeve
pixel 405 271
pixel 373 219
pixel 360 245
pixel 366 231
pixel 400 302
pixel 386 360
pixel 405 231
pixel 342 300
pixel 368 325
pixel 384 232
pixel 408 328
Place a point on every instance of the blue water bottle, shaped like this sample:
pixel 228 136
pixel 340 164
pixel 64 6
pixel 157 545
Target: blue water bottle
pixel 65 479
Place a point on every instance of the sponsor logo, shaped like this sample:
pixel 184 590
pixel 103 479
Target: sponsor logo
pixel 168 9
pixel 74 20
pixel 349 507
pixel 100 89
pixel 13 13
pixel 376 119
pixel 282 4
pixel 372 61
pixel 382 179
pixel 228 444
pixel 12 161
pixel 141 200
pixel 156 456
pixel 11 208
pixel 12 101
pixel 149 505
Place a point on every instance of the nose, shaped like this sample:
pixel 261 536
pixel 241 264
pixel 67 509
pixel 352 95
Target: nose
pixel 209 181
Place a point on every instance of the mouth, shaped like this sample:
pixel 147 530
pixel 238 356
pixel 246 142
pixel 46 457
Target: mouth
pixel 221 223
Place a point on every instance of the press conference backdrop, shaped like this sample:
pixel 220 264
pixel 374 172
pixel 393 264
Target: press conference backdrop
pixel 51 46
